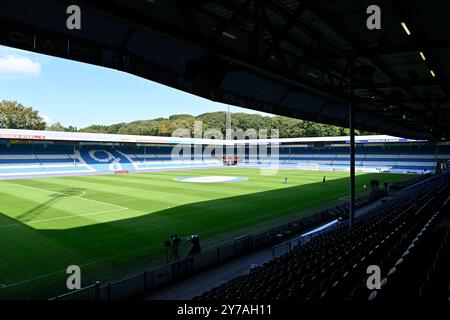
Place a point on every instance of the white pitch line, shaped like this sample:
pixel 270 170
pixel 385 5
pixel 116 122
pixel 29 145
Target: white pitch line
pixel 105 259
pixel 76 197
pixel 60 218
pixel 100 260
pixel 81 265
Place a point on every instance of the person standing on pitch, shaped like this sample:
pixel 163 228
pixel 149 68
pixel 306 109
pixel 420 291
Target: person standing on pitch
pixel 324 181
pixel 285 179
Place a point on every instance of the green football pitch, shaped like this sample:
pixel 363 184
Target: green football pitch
pixel 111 225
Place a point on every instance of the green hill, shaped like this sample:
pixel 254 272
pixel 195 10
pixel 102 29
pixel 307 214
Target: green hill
pixel 288 127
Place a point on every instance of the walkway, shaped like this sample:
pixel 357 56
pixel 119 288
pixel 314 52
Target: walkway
pixel 193 286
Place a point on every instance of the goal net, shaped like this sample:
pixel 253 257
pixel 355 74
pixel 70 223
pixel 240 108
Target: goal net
pixel 230 161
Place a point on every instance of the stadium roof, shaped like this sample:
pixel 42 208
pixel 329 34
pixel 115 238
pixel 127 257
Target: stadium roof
pixel 15 134
pixel 282 56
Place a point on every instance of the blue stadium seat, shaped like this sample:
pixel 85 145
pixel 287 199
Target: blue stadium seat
pixel 41 159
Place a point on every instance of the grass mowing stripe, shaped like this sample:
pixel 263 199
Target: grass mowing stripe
pixel 143 191
pixel 116 243
pixel 69 195
pixel 142 249
pixel 64 217
pixel 115 193
pixel 81 265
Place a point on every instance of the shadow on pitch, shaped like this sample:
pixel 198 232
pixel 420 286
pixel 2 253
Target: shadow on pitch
pixel 35 212
pixel 206 218
pixel 114 248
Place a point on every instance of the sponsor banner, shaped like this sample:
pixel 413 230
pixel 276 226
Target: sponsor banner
pixel 15 141
pixel 16 134
pixel 21 136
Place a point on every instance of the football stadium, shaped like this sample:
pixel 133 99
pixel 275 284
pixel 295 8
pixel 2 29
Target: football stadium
pixel 356 209
pixel 107 203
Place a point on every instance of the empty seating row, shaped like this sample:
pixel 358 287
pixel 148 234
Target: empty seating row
pixel 92 158
pixel 29 160
pixel 334 264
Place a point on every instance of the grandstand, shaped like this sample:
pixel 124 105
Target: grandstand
pixel 332 265
pixel 47 153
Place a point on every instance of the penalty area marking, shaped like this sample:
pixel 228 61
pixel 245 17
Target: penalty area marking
pixel 69 195
pixel 45 275
pixel 63 217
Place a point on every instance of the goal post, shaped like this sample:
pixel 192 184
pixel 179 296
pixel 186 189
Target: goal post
pixel 230 161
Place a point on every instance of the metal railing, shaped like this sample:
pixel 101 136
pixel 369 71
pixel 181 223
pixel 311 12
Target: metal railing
pixel 138 283
pixel 91 292
pixel 141 282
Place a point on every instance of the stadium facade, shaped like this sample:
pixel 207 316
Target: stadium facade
pixel 28 153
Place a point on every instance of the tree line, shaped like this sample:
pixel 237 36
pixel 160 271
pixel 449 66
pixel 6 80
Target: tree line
pixel 14 115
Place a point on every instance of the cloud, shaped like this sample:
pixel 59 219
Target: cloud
pixel 13 65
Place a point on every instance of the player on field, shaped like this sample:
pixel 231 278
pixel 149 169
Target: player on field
pixel 324 180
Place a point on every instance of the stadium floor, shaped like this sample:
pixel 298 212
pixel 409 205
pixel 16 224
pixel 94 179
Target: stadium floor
pixel 111 225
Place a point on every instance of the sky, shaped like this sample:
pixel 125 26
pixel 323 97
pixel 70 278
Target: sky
pixel 80 94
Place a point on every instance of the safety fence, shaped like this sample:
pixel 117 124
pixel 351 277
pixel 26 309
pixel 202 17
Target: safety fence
pixel 141 282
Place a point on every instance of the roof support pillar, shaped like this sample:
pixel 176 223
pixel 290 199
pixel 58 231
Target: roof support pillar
pixel 352 146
